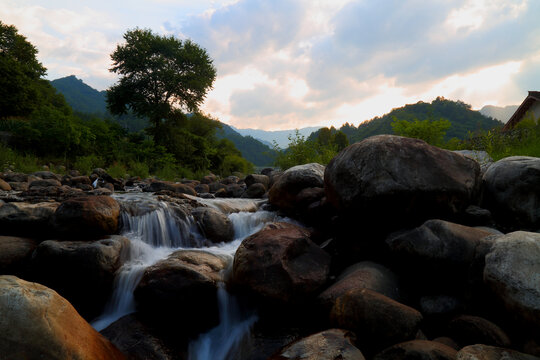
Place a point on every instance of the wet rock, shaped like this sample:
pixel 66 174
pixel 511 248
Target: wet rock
pixel 235 190
pixel 81 271
pixel 4 186
pixel 44 183
pixel 215 225
pixel 485 352
pixel 365 274
pixel 333 344
pixel 37 323
pixel 283 193
pixel 511 272
pixel 15 177
pixel 470 330
pixel 182 288
pixel 25 219
pixel 46 175
pixel 208 179
pixel 257 179
pixel 390 177
pixel 156 186
pixel 417 349
pixel 280 262
pixel 255 191
pixel 202 188
pixel 511 192
pixel 135 340
pixel 439 305
pixel 377 320
pixel 87 217
pixel 15 254
pixel 230 180
pixel 448 342
pixel 215 186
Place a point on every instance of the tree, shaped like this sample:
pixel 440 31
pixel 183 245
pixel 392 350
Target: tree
pixel 20 73
pixel 430 131
pixel 158 75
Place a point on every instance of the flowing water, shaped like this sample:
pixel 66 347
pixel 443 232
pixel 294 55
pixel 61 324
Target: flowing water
pixel 156 229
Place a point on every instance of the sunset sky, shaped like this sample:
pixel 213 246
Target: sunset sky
pixel 286 64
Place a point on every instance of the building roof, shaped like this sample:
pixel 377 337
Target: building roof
pixel 533 97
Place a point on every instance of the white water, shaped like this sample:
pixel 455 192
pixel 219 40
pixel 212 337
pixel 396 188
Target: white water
pixel 156 231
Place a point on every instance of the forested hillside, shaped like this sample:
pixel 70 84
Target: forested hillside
pixel 252 149
pixel 462 119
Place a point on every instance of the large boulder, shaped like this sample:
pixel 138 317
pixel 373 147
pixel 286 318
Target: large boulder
pixel 393 181
pixel 470 330
pixel 81 271
pixel 333 344
pixel 417 349
pixel 214 225
pixel 511 191
pixel 485 352
pixel 182 289
pixel 87 217
pixel 280 262
pixel 511 272
pixel 15 254
pixel 37 323
pixel 255 191
pixel 257 179
pixel 25 219
pixel 377 320
pixel 365 274
pixel 482 157
pixel 284 191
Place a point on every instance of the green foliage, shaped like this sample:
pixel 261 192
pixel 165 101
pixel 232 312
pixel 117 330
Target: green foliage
pixel 431 131
pixel 139 169
pixel 251 149
pixel 157 74
pixel 301 151
pixel 117 170
pixel 85 164
pixel 10 159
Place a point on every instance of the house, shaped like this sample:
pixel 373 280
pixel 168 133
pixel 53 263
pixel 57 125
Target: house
pixel 530 104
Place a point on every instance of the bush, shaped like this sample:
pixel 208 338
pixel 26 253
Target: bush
pixel 85 164
pixel 139 169
pixel 117 170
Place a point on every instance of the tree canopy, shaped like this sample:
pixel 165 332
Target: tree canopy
pixel 158 75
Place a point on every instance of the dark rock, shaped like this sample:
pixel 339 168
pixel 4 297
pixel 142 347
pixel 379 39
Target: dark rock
pixel 485 352
pixel 202 188
pixel 135 340
pixel 24 219
pixel 257 179
pixel 18 186
pixel 377 320
pixel 417 349
pixel 333 344
pixel 280 262
pixel 470 330
pixel 215 225
pixel 15 177
pixel 4 186
pixel 511 191
pixel 235 190
pixel 439 305
pixel 215 186
pixel 15 254
pixel 102 174
pixel 156 186
pixel 81 271
pixel 74 173
pixel 255 191
pixel 283 193
pixel 230 180
pixel 208 179
pixel 87 217
pixel 182 288
pixel 390 177
pixel 267 171
pixel 46 175
pixel 37 323
pixel 448 342
pixel 511 272
pixel 44 183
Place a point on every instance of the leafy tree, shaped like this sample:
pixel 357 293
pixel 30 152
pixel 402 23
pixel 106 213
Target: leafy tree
pixel 302 151
pixel 340 140
pixel 20 72
pixel 158 74
pixel 430 131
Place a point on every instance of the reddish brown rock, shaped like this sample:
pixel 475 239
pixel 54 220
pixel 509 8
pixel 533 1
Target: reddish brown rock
pixel 417 349
pixel 485 352
pixel 15 254
pixel 470 330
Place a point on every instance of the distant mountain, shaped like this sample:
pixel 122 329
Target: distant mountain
pixel 462 119
pixel 252 149
pixel 281 137
pixel 500 113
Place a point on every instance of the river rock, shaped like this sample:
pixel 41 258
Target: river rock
pixel 470 330
pixel 15 254
pixel 37 323
pixel 230 180
pixel 216 186
pixel 202 188
pixel 15 177
pixel 377 320
pixel 485 352
pixel 280 262
pixel 235 190
pixel 333 344
pixel 208 179
pixel 511 272
pixel 214 225
pixel 18 186
pixel 511 190
pixel 44 183
pixel 87 217
pixel 182 288
pixel 156 186
pixel 25 219
pixel 81 271
pixel 257 179
pixel 135 340
pixel 403 179
pixel 365 274
pixel 482 157
pixel 4 186
pixel 46 175
pixel 417 349
pixel 255 191
pixel 284 191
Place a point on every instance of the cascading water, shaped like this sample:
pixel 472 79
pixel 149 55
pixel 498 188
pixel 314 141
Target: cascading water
pixel 156 230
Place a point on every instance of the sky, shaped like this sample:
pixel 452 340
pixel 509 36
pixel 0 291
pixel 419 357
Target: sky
pixel 285 64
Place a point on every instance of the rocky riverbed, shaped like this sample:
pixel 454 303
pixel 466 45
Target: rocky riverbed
pixel 394 250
